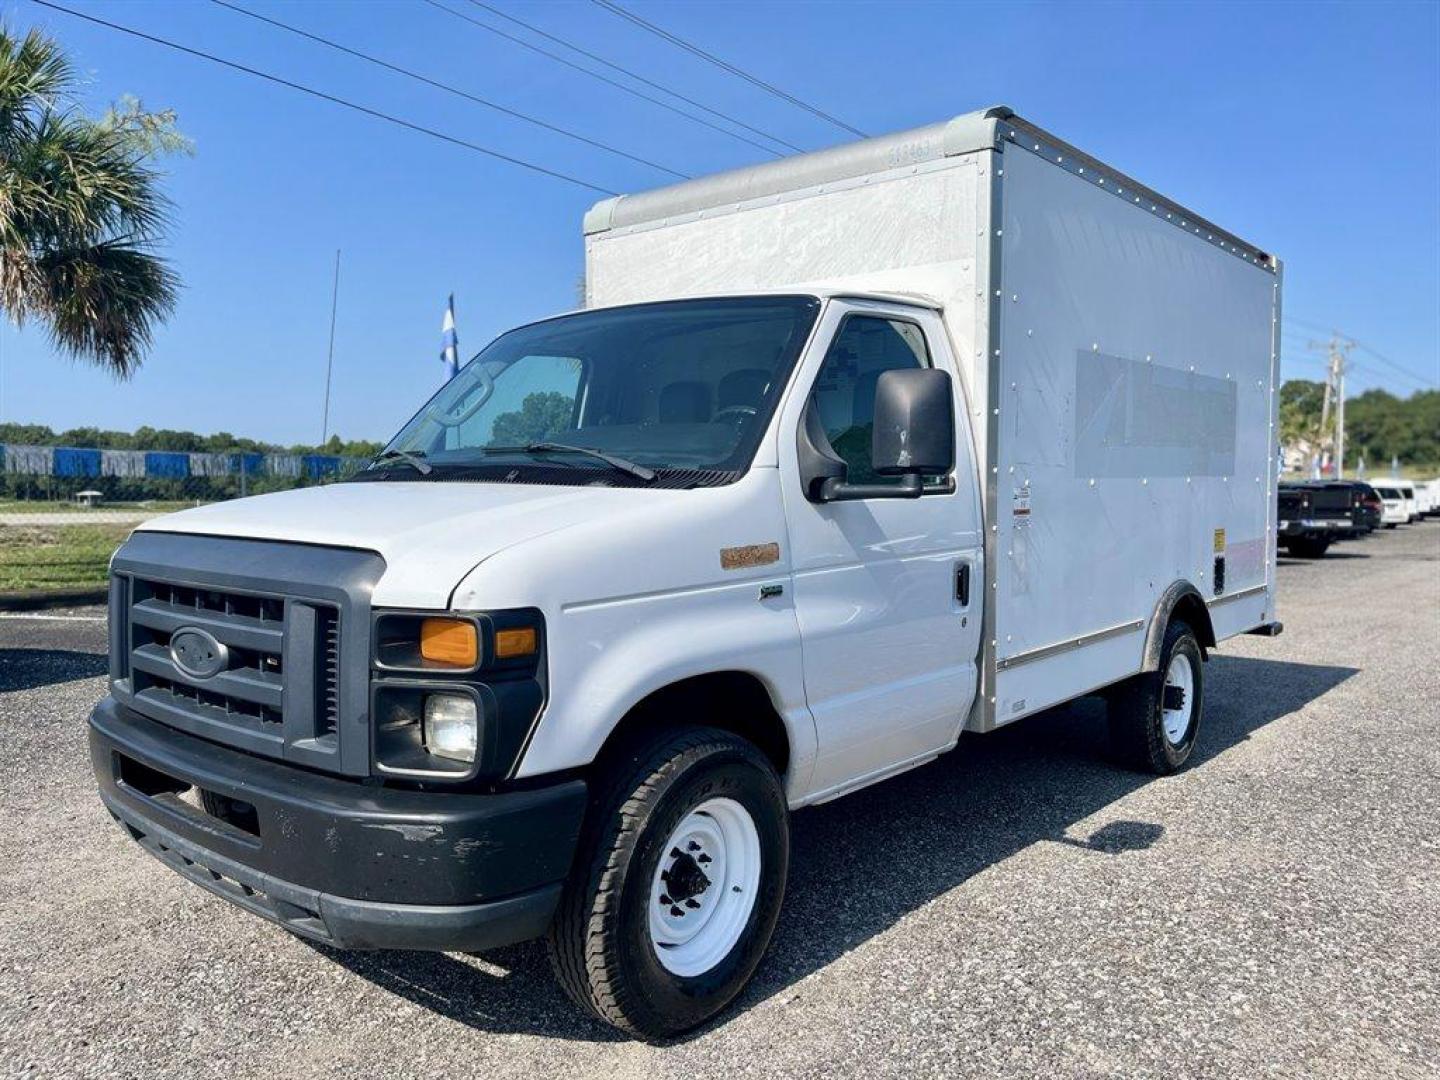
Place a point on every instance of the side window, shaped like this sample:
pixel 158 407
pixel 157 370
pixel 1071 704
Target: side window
pixel 533 400
pixel 844 393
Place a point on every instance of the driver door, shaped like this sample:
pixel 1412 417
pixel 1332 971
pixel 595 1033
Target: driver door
pixel 886 590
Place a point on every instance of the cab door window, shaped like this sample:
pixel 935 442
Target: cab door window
pixel 844 394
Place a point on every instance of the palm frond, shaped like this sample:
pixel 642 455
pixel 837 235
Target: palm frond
pixel 81 210
pixel 35 75
pixel 104 301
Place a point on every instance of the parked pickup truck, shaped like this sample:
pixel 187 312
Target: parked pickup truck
pixel 1312 516
pixel 849 455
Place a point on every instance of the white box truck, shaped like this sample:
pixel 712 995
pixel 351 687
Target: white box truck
pixel 848 455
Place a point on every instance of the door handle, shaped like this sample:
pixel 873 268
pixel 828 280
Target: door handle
pixel 962 584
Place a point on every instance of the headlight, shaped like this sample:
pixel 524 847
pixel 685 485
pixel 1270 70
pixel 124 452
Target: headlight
pixel 451 726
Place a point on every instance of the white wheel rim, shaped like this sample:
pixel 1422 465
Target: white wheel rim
pixel 704 887
pixel 1179 677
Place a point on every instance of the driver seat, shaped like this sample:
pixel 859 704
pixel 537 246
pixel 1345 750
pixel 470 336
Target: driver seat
pixel 743 387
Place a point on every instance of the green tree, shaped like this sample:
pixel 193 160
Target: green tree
pixel 81 213
pixel 1300 403
pixel 540 416
pixel 1378 425
pixel 1381 426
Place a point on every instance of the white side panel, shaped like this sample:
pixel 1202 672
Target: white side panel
pixel 908 230
pixel 1135 440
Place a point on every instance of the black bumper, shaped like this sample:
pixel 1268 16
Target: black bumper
pixel 346 863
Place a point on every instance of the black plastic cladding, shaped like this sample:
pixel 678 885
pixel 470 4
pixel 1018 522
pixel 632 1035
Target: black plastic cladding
pixel 309 579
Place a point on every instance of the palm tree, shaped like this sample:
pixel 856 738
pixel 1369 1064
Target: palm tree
pixel 81 213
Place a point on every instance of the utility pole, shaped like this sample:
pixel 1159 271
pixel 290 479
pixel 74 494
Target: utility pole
pixel 1338 350
pixel 330 353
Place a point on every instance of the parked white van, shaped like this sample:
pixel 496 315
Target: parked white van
pixel 850 454
pixel 1407 492
pixel 1424 497
pixel 1395 509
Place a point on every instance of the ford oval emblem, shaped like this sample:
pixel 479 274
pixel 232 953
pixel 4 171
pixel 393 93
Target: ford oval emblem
pixel 197 653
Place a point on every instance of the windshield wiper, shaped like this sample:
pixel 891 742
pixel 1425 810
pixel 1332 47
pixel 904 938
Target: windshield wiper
pixel 638 471
pixel 415 458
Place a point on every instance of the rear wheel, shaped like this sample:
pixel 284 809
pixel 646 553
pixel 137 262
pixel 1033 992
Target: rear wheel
pixel 1309 547
pixel 677 888
pixel 1155 716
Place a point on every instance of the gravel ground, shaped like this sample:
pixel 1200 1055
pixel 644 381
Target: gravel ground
pixel 1017 908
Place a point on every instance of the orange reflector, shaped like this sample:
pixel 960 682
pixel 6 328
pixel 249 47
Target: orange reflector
pixel 520 642
pixel 449 641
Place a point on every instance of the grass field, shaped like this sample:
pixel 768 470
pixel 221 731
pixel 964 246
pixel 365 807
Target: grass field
pixel 48 506
pixel 56 557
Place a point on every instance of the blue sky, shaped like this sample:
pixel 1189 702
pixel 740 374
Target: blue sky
pixel 1312 130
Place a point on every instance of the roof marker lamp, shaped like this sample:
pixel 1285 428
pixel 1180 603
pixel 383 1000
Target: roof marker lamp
pixel 452 725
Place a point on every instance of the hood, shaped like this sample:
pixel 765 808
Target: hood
pixel 430 534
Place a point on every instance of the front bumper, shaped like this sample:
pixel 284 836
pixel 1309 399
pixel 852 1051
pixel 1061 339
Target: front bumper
pixel 342 862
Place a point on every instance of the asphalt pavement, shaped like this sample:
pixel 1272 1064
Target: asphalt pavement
pixel 1018 908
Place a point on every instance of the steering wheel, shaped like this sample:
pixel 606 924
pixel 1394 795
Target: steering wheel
pixel 733 414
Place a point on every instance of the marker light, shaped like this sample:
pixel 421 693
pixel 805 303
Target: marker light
pixel 449 641
pixel 519 642
pixel 451 726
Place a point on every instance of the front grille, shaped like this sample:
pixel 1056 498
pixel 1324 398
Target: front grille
pixel 259 646
pixel 329 627
pixel 260 634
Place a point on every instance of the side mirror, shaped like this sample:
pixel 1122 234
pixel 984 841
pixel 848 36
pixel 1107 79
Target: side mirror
pixel 913 437
pixel 914 433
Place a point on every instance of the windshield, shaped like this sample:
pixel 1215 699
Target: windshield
pixel 681 385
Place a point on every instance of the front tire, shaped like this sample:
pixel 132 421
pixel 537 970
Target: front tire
pixel 1155 716
pixel 698 813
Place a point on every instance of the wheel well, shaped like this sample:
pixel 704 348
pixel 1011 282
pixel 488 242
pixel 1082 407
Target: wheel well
pixel 734 701
pixel 1192 610
pixel 1180 601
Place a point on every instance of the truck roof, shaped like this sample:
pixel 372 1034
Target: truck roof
pixel 964 134
pixel 819 290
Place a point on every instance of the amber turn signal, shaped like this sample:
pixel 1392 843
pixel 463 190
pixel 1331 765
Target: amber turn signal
pixel 512 643
pixel 449 641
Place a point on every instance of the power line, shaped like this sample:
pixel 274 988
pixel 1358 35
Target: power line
pixel 1306 324
pixel 446 87
pixel 635 75
pixel 1391 363
pixel 277 80
pixel 725 65
pixel 603 78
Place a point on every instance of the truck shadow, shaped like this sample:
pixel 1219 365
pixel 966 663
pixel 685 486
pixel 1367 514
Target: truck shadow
pixel 862 863
pixel 30 669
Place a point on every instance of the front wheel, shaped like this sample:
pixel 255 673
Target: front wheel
pixel 678 885
pixel 1155 716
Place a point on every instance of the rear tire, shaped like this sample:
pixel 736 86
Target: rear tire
pixel 1309 547
pixel 1155 716
pixel 670 813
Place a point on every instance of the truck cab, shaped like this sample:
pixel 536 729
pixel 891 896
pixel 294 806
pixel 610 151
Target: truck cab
pixel 735 539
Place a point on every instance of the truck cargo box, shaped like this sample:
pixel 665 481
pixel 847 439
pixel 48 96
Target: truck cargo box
pixel 1118 353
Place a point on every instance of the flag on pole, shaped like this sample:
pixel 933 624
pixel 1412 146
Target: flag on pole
pixel 449 342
